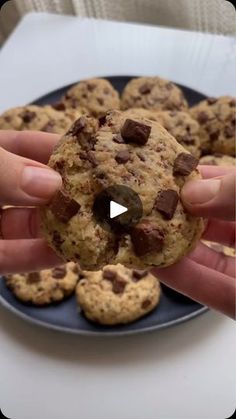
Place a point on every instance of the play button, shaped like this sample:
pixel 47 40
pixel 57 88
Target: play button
pixel 117 208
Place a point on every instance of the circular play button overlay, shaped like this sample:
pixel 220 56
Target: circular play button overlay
pixel 117 208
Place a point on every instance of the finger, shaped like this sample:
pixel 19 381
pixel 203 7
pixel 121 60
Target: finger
pixel 211 198
pixel 215 171
pixel 25 182
pixel 220 232
pixel 26 256
pixel 202 284
pixel 218 261
pixel 20 223
pixel 30 144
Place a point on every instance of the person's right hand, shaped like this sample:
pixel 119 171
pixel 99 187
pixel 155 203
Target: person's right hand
pixel 205 275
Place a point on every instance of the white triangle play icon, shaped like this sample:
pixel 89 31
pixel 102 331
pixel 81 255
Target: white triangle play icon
pixel 116 209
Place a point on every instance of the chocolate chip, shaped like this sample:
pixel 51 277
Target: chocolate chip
pixel 77 127
pixel 33 277
pixel 186 139
pixel 102 120
pixel 27 116
pixel 100 101
pixel 229 132
pixel 88 155
pixel 138 274
pixel 91 87
pixel 184 164
pixel 214 135
pixel 232 103
pixel 166 203
pixel 63 207
pixel 135 132
pixel 59 272
pixel 202 117
pixel 108 274
pixel 59 106
pixel 122 156
pixel 147 237
pixel 146 304
pixel 141 156
pixel 118 285
pixel 118 139
pixel 211 100
pixel 145 89
pixel 49 127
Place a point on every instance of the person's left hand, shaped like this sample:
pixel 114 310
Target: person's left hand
pixel 25 181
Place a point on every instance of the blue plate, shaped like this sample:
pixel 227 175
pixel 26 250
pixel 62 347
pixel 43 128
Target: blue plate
pixel 173 309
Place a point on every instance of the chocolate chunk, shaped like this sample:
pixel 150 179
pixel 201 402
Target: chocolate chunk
pixel 118 285
pixel 100 101
pixel 110 275
pixel 184 164
pixel 59 272
pixel 135 132
pixel 202 117
pixel 91 87
pixel 63 207
pixel 232 103
pixel 214 135
pixel 33 277
pixel 49 126
pixel 147 237
pixel 118 139
pixel 122 156
pixel 211 100
pixel 77 127
pixel 138 274
pixel 27 116
pixel 59 106
pixel 229 132
pixel 146 304
pixel 145 89
pixel 167 202
pixel 88 155
pixel 102 120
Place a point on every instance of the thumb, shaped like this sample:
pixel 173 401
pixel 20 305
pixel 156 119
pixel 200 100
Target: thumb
pixel 25 182
pixel 211 198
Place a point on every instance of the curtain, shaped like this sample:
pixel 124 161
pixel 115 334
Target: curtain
pixel 215 16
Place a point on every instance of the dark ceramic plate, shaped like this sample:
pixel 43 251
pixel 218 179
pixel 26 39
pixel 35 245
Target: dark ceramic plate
pixel 174 308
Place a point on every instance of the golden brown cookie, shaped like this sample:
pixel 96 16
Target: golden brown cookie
pixel 97 95
pixel 44 287
pixel 153 93
pixel 117 295
pixel 37 118
pixel 141 155
pixel 217 119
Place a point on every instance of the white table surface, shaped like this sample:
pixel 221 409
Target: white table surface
pixel 186 372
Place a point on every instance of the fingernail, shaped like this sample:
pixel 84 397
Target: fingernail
pixel 40 183
pixel 200 191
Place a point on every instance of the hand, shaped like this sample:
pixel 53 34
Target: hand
pixel 25 183
pixel 206 275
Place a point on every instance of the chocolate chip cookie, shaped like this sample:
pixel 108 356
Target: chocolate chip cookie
pixel 97 95
pixel 178 123
pixel 91 158
pixel 117 295
pixel 217 119
pixel 39 118
pixel 44 287
pixel 153 93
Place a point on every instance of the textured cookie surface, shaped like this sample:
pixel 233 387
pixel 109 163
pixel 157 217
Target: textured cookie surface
pixel 37 118
pixel 117 295
pixel 97 95
pixel 141 155
pixel 153 93
pixel 44 287
pixel 178 123
pixel 217 119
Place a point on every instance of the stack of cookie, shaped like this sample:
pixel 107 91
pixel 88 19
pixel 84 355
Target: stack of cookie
pixel 148 139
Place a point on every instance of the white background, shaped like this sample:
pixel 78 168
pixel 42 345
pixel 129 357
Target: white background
pixel 186 372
